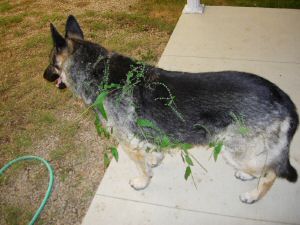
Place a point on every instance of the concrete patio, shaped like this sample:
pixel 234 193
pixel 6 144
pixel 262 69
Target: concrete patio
pixel 256 40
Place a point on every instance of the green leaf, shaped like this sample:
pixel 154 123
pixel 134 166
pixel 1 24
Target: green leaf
pixel 217 150
pixel 145 123
pixel 211 144
pixel 165 142
pixel 187 173
pixel 244 130
pixel 182 157
pixel 189 160
pixel 112 86
pixel 186 146
pixel 101 130
pixel 106 160
pixel 99 103
pixel 114 152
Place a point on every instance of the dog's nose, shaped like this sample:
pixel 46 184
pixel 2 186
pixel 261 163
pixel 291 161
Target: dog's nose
pixel 61 85
pixel 49 74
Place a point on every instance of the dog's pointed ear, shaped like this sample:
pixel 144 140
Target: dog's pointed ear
pixel 58 41
pixel 73 29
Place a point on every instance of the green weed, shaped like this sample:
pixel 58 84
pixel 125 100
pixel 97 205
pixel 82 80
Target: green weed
pixel 149 131
pixel 217 146
pixel 169 100
pixel 239 120
pixel 162 141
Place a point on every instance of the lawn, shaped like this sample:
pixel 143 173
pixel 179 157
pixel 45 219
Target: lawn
pixel 36 118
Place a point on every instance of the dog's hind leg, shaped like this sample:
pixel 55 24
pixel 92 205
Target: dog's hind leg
pixel 265 183
pixel 139 157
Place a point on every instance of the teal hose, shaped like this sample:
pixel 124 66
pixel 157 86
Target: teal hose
pixel 51 181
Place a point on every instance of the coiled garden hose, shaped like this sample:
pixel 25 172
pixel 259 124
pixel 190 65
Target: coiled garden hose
pixel 51 181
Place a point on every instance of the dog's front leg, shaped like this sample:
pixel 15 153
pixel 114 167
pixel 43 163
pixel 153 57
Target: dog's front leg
pixel 143 165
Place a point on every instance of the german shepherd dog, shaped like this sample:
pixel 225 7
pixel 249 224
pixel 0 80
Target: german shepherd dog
pixel 209 99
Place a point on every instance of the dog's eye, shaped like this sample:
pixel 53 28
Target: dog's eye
pixel 56 66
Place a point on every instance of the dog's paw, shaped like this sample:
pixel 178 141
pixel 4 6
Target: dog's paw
pixel 155 159
pixel 243 176
pixel 139 183
pixel 247 198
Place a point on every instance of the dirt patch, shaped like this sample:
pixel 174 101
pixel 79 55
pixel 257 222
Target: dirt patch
pixel 77 174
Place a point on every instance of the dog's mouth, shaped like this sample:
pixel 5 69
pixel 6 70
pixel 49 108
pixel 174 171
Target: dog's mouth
pixel 59 83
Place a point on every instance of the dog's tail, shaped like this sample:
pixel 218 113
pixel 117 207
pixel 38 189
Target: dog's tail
pixel 291 174
pixel 287 171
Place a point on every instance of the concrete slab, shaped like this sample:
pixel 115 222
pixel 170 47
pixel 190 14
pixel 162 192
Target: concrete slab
pixel 148 214
pixel 261 41
pixel 255 34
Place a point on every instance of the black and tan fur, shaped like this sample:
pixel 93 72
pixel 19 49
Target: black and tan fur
pixel 201 98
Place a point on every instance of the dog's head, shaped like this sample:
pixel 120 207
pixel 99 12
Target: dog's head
pixel 63 47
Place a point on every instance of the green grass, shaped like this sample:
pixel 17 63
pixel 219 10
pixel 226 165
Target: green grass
pixel 69 129
pixel 5 6
pixel 15 215
pixel 19 33
pixel 10 20
pixel 99 26
pixel 90 13
pixel 45 19
pixel 23 140
pixel 148 56
pixel 120 43
pixel 59 153
pixel 38 40
pixel 46 117
pixel 139 21
pixel 64 173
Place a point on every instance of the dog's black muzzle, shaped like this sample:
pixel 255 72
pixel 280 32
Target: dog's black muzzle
pixel 51 75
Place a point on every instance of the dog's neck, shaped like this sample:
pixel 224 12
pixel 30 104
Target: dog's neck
pixel 87 68
pixel 119 66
